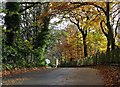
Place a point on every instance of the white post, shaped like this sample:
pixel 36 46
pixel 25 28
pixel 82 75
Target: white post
pixel 56 62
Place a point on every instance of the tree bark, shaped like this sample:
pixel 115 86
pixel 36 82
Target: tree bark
pixel 111 38
pixel 84 34
pixel 108 45
pixel 85 45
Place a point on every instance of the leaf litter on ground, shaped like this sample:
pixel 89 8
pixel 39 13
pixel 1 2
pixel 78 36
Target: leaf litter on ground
pixel 111 75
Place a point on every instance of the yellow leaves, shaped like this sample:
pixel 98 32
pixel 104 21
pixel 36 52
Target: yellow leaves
pixel 96 40
pixel 88 16
pixel 102 4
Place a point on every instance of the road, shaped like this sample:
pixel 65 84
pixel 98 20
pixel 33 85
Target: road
pixel 59 76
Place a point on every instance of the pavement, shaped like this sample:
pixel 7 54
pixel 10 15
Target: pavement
pixel 59 76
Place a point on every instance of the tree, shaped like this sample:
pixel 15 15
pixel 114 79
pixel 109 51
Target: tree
pixel 105 8
pixel 12 20
pixel 26 39
pixel 70 44
pixel 109 35
pixel 82 18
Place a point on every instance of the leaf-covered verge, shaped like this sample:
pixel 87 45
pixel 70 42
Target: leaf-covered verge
pixel 17 71
pixel 16 81
pixel 7 73
pixel 111 75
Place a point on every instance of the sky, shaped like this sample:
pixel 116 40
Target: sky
pixel 1 14
pixel 61 25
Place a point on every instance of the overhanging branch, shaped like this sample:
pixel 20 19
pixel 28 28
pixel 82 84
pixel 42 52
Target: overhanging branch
pixel 103 28
pixel 32 5
pixel 88 3
pixel 72 21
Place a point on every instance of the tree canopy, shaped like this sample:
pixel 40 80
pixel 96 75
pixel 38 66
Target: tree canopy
pixel 29 36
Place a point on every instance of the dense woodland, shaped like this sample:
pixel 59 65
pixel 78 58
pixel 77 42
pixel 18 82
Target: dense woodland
pixel 75 33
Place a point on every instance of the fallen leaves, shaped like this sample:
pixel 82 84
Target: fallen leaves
pixel 19 71
pixel 8 73
pixel 16 81
pixel 111 75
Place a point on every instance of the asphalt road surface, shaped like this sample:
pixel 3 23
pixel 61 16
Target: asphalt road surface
pixel 60 76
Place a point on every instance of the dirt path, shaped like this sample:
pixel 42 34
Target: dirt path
pixel 58 76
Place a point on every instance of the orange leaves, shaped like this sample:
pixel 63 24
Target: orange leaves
pixel 19 71
pixel 59 5
pixel 16 81
pixel 41 18
pixel 71 43
pixel 16 71
pixel 53 9
pixel 111 75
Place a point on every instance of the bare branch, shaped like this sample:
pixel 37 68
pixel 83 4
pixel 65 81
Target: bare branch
pixel 72 21
pixel 114 5
pixel 116 14
pixel 117 27
pixel 32 4
pixel 118 9
pixel 113 21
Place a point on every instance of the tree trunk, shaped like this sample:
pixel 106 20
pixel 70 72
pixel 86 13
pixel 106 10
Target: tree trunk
pixel 111 38
pixel 85 45
pixel 108 45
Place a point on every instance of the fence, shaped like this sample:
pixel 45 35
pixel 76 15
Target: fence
pixel 109 58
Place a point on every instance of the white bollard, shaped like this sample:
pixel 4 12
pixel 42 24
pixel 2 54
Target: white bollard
pixel 56 63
